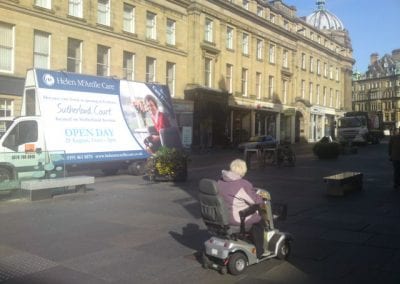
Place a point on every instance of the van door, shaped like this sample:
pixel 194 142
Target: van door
pixel 22 149
pixel 23 137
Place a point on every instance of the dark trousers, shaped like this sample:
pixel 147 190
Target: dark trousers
pixel 396 172
pixel 257 233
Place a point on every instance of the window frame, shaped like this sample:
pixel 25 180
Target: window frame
pixel 208 72
pixel 75 8
pixel 171 80
pixel 128 65
pixel 303 89
pixel 244 81
pixel 77 61
pixel 245 43
pixel 151 69
pixel 129 18
pixel 8 66
pixel 285 89
pixel 272 52
pixel 171 32
pixel 6 107
pixel 260 49
pixel 103 66
pixel 43 4
pixel 245 4
pixel 258 85
pixel 229 37
pixel 303 61
pixel 208 30
pixel 285 58
pixel 151 25
pixel 106 5
pixel 41 54
pixel 271 86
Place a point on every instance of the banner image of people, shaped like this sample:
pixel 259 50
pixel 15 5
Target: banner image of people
pixel 148 111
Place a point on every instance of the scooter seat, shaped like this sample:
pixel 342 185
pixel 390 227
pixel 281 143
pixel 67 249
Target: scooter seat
pixel 214 212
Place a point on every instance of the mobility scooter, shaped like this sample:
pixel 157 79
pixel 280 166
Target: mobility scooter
pixel 230 248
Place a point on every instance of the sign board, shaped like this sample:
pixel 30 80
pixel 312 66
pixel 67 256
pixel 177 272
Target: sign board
pixel 187 136
pixel 289 112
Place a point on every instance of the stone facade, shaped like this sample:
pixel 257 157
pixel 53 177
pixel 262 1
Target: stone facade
pixel 235 68
pixel 378 89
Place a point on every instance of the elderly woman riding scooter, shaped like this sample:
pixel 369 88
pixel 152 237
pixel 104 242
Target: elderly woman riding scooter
pixel 239 194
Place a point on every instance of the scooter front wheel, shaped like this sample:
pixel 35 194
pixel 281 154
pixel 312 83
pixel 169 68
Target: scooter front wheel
pixel 237 263
pixel 284 250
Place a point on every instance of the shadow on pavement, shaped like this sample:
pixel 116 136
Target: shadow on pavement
pixel 193 238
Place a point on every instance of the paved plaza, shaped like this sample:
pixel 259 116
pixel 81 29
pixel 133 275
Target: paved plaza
pixel 125 229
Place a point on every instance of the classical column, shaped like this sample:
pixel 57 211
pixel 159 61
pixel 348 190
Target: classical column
pixel 278 127
pixel 253 122
pixel 292 128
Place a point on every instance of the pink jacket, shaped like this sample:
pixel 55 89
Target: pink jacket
pixel 238 194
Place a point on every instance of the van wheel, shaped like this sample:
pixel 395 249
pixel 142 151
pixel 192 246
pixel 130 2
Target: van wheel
pixel 237 263
pixel 137 168
pixel 6 174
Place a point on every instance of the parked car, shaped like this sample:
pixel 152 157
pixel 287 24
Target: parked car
pixel 263 141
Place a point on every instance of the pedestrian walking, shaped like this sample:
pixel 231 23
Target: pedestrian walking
pixel 394 157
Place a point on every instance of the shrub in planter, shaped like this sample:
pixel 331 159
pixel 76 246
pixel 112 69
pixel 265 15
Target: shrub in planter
pixel 168 164
pixel 326 149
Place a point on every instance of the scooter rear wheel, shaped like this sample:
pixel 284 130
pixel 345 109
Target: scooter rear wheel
pixel 237 263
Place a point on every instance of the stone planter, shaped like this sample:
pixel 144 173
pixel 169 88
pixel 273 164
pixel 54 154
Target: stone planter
pixel 167 165
pixel 327 150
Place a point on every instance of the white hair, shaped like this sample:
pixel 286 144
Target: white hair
pixel 239 167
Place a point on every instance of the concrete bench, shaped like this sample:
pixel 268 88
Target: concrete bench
pixel 340 183
pixel 262 154
pixel 249 152
pixel 42 188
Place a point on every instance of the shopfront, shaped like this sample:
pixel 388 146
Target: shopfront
pixel 210 117
pixel 322 123
pixel 245 122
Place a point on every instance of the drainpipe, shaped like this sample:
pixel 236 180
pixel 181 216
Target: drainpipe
pixel 253 122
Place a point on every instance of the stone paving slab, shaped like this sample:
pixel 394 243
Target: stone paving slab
pixel 129 230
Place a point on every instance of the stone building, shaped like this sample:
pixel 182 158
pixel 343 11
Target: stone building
pixel 378 89
pixel 235 68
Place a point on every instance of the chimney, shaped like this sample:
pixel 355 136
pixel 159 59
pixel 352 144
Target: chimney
pixel 396 54
pixel 374 58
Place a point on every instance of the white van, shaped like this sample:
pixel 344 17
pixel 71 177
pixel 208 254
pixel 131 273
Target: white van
pixel 71 120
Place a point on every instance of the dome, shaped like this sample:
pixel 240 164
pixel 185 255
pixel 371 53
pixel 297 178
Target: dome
pixel 323 19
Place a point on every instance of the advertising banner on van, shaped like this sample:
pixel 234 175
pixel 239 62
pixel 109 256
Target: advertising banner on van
pixel 149 114
pixel 85 118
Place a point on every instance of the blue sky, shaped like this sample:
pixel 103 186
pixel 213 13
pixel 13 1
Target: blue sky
pixel 374 26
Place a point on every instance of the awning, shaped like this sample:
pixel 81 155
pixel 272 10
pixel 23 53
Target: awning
pixel 11 85
pixel 207 94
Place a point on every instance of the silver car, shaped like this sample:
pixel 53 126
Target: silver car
pixel 255 142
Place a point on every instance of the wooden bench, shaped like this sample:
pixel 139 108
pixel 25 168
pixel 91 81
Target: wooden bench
pixel 43 188
pixel 340 183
